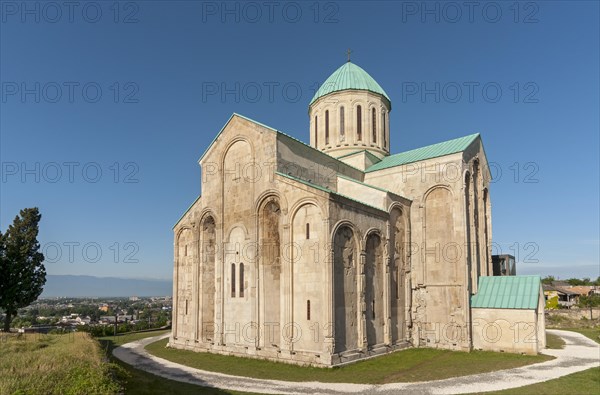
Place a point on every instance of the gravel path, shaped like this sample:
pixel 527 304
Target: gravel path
pixel 580 353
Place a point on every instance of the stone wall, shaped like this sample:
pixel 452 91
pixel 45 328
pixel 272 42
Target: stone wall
pixel 575 313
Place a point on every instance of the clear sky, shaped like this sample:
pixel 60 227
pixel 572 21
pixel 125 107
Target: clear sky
pixel 107 106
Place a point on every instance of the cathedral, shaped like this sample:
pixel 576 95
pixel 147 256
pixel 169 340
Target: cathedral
pixel 333 251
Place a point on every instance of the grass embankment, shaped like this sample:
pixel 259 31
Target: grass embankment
pixel 587 327
pixel 138 382
pixel 554 342
pixel 409 365
pixel 582 383
pixel 54 364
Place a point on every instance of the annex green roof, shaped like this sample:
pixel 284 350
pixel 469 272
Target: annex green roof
pixel 428 152
pixel 349 76
pixel 507 292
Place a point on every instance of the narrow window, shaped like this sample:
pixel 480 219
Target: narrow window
pixel 307 231
pixel 185 250
pixel 241 280
pixel 374 125
pixel 359 123
pixel 308 310
pixel 342 124
pixel 327 127
pixel 316 131
pixel 383 128
pixel 186 307
pixel 233 280
pixel 373 307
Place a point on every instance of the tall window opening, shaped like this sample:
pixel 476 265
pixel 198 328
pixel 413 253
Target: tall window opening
pixel 308 310
pixel 316 131
pixel 383 127
pixel 374 124
pixel 359 123
pixel 307 231
pixel 186 307
pixel 233 280
pixel 342 124
pixel 327 127
pixel 241 280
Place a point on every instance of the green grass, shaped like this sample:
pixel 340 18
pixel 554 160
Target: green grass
pixel 592 333
pixel 408 365
pixel 54 364
pixel 581 383
pixel 138 382
pixel 554 342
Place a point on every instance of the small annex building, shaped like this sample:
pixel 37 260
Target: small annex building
pixel 508 314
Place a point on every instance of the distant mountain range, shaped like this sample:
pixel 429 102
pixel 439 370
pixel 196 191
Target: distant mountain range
pixel 90 286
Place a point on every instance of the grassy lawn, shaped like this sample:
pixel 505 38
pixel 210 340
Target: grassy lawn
pixel 554 342
pixel 592 333
pixel 138 382
pixel 54 364
pixel 586 382
pixel 408 365
pixel 582 383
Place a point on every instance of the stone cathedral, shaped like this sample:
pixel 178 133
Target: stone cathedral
pixel 332 251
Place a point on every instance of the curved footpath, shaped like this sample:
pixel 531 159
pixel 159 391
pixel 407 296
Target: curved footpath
pixel 580 353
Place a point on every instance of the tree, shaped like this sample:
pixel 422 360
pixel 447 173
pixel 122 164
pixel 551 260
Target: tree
pixel 22 272
pixel 548 280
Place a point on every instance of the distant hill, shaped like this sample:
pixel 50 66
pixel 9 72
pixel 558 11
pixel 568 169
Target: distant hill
pixel 90 286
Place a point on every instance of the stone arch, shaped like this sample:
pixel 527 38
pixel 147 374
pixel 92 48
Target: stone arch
pixel 307 266
pixel 399 267
pixel 345 298
pixel 208 252
pixel 374 287
pixel 270 267
pixel 439 245
pixel 297 205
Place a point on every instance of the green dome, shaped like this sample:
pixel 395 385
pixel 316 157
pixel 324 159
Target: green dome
pixel 349 76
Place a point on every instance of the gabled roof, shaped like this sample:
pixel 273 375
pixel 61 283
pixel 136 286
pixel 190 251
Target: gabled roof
pixel 349 77
pixel 507 292
pixel 186 211
pixel 279 132
pixel 431 151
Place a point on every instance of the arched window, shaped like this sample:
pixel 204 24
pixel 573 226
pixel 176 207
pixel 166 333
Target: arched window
pixel 374 125
pixel 359 123
pixel 342 124
pixel 316 131
pixel 383 127
pixel 327 127
pixel 307 231
pixel 308 310
pixel 233 280
pixel 241 280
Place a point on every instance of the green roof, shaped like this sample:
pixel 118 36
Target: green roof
pixel 349 76
pixel 507 292
pixel 428 152
pixel 327 190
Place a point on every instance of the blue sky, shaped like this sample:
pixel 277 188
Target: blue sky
pixel 107 106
